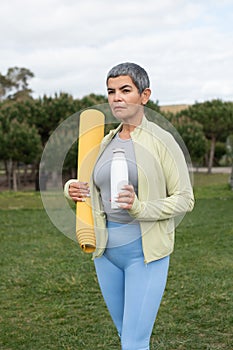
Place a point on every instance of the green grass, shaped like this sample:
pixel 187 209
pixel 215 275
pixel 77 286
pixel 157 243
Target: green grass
pixel 20 200
pixel 50 297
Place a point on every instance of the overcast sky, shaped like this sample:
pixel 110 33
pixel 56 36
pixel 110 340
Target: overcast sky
pixel 186 46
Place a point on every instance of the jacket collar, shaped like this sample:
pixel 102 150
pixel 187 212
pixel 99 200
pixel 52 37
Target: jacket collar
pixel 140 127
pixel 135 132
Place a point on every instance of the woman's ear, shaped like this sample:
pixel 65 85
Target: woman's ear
pixel 146 96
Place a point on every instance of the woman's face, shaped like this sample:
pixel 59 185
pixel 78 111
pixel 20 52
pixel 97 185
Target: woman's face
pixel 124 98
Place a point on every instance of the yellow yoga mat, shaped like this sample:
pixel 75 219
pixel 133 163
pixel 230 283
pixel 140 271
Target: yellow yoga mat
pixel 91 133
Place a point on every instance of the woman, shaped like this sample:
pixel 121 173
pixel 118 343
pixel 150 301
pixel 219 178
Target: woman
pixel 134 242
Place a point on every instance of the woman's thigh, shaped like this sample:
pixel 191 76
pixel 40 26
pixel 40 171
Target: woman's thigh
pixel 111 281
pixel 144 288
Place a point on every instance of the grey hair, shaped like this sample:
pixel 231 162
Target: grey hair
pixel 138 74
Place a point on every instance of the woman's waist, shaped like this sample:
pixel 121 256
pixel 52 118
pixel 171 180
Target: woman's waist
pixel 122 233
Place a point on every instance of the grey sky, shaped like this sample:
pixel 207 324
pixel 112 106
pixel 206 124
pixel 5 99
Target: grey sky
pixel 185 45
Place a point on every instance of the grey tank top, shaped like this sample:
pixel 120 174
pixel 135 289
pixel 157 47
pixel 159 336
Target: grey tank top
pixel 102 176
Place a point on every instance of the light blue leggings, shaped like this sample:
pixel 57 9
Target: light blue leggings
pixel 131 289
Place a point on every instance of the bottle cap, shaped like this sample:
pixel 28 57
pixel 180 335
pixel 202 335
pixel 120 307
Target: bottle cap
pixel 116 150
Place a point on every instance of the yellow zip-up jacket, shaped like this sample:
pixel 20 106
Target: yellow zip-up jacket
pixel 164 191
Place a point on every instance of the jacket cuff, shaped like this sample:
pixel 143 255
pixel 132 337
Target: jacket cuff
pixel 136 207
pixel 66 187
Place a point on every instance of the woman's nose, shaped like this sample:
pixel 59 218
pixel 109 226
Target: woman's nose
pixel 117 96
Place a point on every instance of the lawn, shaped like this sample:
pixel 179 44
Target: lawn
pixel 50 298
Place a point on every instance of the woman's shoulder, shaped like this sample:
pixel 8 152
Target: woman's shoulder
pixel 158 132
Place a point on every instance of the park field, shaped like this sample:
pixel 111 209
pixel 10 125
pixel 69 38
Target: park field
pixel 50 299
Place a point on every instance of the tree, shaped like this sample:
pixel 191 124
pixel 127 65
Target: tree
pixel 153 105
pixel 5 86
pixel 229 147
pixel 216 117
pixel 48 112
pixel 25 146
pixel 19 141
pixel 14 85
pixel 192 135
pixel 90 100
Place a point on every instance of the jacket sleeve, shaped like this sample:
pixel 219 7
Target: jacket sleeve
pixel 161 209
pixel 179 197
pixel 66 187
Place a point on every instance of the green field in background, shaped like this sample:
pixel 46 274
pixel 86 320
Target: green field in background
pixel 50 297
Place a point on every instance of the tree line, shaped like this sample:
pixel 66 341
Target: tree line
pixel 27 123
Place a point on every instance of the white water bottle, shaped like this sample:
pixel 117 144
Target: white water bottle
pixel 119 174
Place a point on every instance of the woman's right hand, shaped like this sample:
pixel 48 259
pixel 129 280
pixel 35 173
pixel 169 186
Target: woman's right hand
pixel 79 191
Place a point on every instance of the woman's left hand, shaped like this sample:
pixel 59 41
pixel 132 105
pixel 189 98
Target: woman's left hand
pixel 126 197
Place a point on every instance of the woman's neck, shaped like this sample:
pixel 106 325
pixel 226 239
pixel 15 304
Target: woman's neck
pixel 126 129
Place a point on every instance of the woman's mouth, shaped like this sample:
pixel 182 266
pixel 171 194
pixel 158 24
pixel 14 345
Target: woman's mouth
pixel 118 107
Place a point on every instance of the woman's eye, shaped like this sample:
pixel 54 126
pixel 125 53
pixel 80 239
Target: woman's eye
pixel 126 91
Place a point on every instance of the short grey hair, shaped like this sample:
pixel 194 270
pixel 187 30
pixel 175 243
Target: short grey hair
pixel 138 74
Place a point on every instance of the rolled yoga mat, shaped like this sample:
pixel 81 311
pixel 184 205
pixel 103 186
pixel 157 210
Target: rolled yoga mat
pixel 91 133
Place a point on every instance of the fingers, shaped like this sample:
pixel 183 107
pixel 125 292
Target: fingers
pixel 79 191
pixel 126 197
